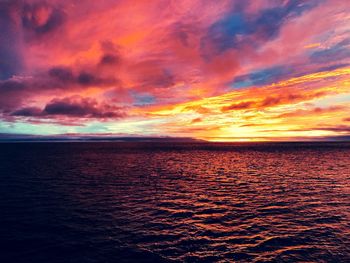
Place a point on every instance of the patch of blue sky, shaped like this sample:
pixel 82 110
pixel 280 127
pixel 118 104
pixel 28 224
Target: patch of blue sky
pixel 142 99
pixel 242 84
pixel 262 77
pixel 222 34
pixel 231 30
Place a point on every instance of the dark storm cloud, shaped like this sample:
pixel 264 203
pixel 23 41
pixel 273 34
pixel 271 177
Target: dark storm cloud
pixel 16 90
pixel 79 108
pixel 27 112
pixel 63 74
pixel 91 79
pixel 71 107
pixel 87 79
pixel 68 107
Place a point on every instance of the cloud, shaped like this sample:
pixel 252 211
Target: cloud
pixel 65 75
pixel 341 129
pixel 336 128
pixel 280 72
pixel 20 22
pixel 12 93
pixel 311 112
pixel 58 78
pixel 198 109
pixel 269 22
pixel 196 120
pixel 72 107
pixel 338 52
pixel 238 29
pixel 90 79
pixel 273 101
pixel 11 61
pixel 109 59
pixel 40 18
pixel 227 63
pixel 150 74
pixel 141 99
pixel 62 74
pixel 239 106
pixel 28 112
pixel 262 77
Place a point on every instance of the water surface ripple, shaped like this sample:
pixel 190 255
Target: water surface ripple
pixel 166 202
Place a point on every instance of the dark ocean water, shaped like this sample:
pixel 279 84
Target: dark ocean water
pixel 174 202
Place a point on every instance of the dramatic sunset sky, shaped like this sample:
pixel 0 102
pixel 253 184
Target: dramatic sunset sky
pixel 216 70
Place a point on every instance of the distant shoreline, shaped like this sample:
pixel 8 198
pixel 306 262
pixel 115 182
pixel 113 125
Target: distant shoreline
pixel 9 138
pixel 170 141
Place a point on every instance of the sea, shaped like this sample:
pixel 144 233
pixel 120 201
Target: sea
pixel 174 202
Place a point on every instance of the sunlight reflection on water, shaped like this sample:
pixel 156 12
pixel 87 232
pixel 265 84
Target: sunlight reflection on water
pixel 107 202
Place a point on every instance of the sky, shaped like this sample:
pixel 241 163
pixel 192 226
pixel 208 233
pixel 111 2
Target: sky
pixel 259 70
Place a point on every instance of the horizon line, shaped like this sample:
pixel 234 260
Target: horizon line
pixel 11 137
